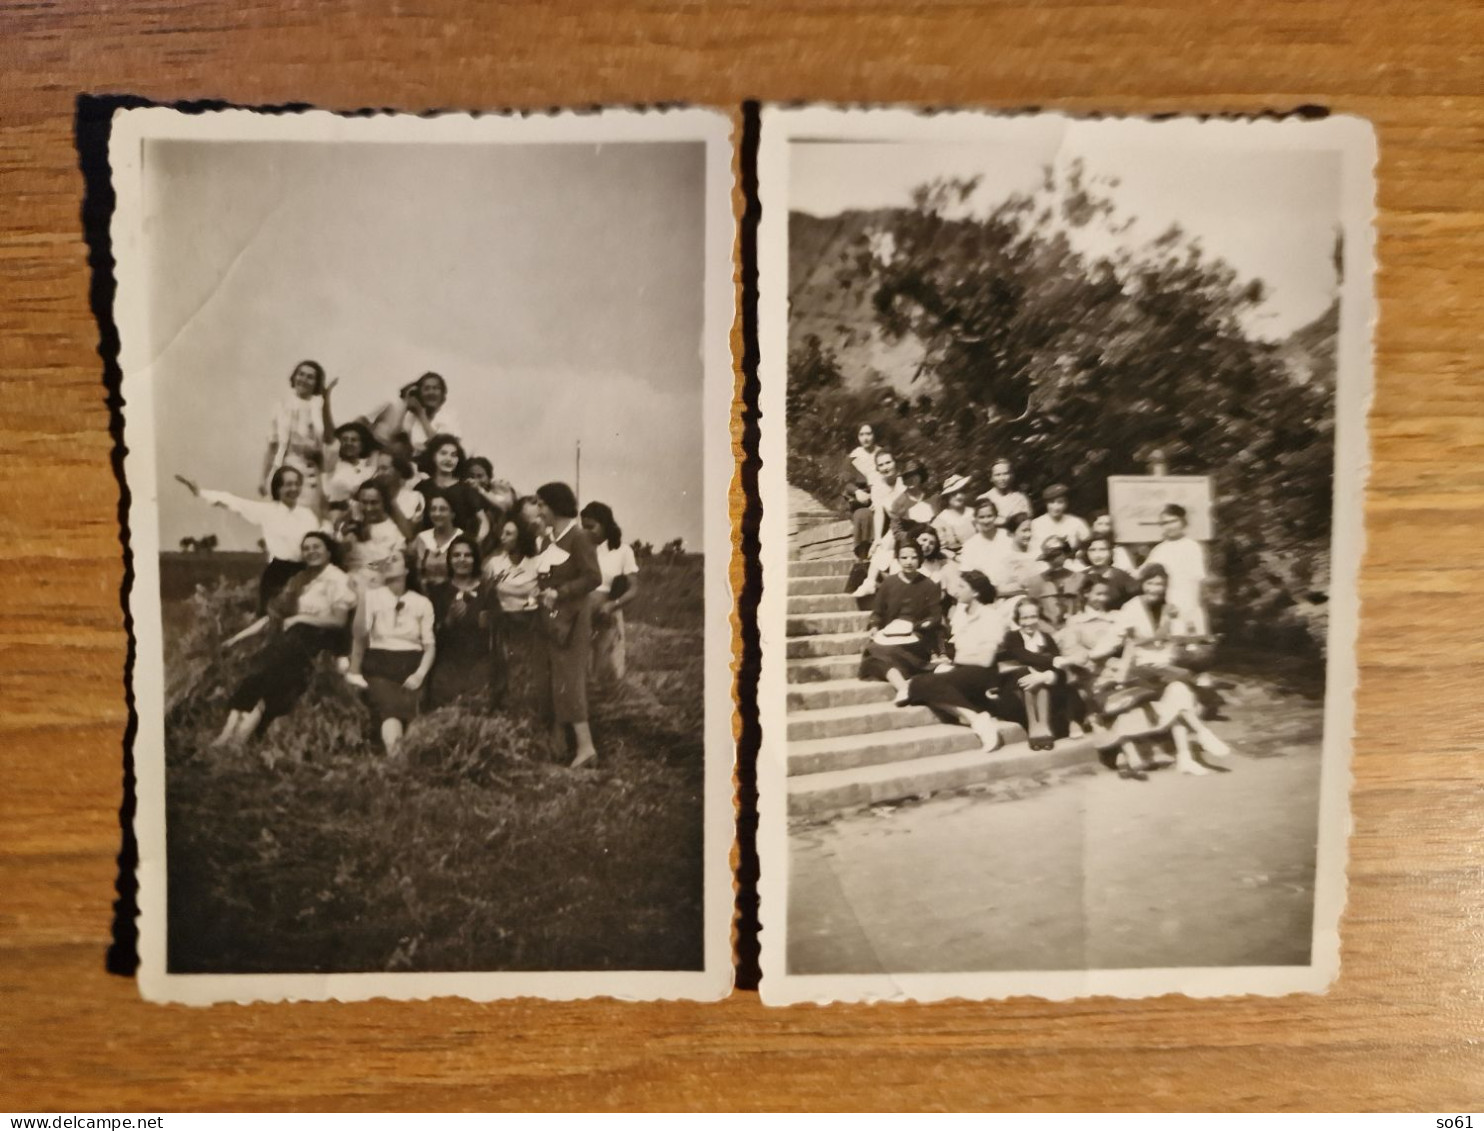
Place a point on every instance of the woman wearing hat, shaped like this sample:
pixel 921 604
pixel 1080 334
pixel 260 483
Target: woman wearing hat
pixel 955 522
pixel 296 438
pixel 906 623
pixel 964 690
pixel 1057 587
pixel 310 614
pixel 393 647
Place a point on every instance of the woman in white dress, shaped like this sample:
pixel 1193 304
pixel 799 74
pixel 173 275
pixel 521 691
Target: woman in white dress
pixel 301 423
pixel 619 587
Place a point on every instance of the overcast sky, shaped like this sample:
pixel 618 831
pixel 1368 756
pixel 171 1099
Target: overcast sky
pixel 557 287
pixel 1271 214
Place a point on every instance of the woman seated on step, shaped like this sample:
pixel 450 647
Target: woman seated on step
pixel 1032 675
pixel 963 690
pixel 1147 689
pixel 906 623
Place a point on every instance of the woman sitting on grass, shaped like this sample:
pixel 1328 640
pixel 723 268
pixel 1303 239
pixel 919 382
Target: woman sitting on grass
pixel 620 586
pixel 314 609
pixel 392 650
pixel 1146 692
pixel 963 690
pixel 466 615
pixel 906 623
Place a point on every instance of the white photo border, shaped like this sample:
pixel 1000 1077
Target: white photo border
pixel 131 128
pixel 1354 139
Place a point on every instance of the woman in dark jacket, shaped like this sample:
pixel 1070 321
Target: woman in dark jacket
pixel 906 622
pixel 568 573
pixel 466 613
pixel 1033 688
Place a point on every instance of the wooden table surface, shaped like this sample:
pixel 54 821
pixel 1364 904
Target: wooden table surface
pixel 1401 1029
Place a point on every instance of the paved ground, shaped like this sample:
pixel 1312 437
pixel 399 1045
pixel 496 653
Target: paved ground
pixel 1090 872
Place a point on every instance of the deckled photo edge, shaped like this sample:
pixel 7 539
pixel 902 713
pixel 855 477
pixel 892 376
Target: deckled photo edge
pixel 130 130
pixel 1354 138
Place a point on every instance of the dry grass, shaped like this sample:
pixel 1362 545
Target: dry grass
pixel 308 851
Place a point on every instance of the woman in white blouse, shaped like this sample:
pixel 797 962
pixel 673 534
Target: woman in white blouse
pixel 430 547
pixel 311 615
pixel 380 534
pixel 420 413
pixel 301 424
pixel 283 521
pixel 392 651
pixel 619 588
pixel 964 689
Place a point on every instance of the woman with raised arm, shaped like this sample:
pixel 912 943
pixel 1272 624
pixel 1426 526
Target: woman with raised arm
pixel 964 690
pixel 311 614
pixel 301 423
pixel 496 499
pixel 619 588
pixel 420 412
pixel 568 575
pixel 283 521
pixel 393 648
pixel 442 465
pixel 466 615
pixel 349 462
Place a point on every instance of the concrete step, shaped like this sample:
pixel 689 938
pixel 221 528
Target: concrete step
pixel 857 719
pixel 827 624
pixel 821 551
pixel 825 584
pixel 829 644
pixel 838 791
pixel 848 751
pixel 820 669
pixel 837 693
pixel 822 603
pixel 822 567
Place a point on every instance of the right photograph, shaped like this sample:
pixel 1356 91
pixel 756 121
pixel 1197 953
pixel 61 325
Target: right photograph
pixel 1063 459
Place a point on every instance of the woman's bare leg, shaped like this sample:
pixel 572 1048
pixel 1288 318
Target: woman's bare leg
pixel 1133 759
pixel 586 752
pixel 391 736
pixel 228 733
pixel 898 682
pixel 1205 738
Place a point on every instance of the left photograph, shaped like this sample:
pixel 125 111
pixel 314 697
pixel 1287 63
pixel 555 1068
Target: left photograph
pixel 428 455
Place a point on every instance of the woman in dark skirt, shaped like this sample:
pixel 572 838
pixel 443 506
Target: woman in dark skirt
pixel 393 651
pixel 466 613
pixel 315 607
pixel 965 691
pixel 906 622
pixel 1033 686
pixel 568 572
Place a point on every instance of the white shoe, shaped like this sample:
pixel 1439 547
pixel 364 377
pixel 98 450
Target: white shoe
pixel 1214 747
pixel 988 730
pixel 867 589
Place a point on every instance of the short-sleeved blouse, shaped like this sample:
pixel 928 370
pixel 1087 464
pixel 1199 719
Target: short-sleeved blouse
pixel 976 634
pixel 398 624
pixel 383 541
pixel 330 594
pixel 615 563
pixel 515 582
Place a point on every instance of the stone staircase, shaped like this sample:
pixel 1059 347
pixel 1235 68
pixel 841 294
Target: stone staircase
pixel 849 745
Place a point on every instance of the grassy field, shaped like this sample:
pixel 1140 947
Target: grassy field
pixel 308 852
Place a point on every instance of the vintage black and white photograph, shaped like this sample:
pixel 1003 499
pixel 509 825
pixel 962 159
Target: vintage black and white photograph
pixel 1063 451
pixel 427 427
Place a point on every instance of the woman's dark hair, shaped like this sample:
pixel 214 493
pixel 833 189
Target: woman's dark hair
pixel 1022 603
pixel 368 438
pixel 319 375
pixel 374 484
pixel 908 544
pixel 479 461
pixel 917 531
pixel 560 498
pixel 525 534
pixel 983 588
pixel 875 432
pixel 1016 522
pixel 464 540
pixel 1104 539
pixel 275 485
pixel 602 514
pixel 430 449
pixel 980 504
pixel 436 377
pixel 1153 569
pixel 1173 510
pixel 329 543
pixel 434 497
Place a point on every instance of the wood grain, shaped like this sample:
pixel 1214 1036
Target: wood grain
pixel 1401 1028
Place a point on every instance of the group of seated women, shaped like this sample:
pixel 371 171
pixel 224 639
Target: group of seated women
pixel 391 549
pixel 986 613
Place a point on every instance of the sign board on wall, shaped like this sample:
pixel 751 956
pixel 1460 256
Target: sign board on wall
pixel 1134 501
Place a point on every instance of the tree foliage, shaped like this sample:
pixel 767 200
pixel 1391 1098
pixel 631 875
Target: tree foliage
pixel 1078 365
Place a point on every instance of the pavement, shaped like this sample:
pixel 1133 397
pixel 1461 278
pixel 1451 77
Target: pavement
pixel 1081 871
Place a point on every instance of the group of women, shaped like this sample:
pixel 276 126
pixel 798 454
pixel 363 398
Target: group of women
pixel 394 551
pixel 987 614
